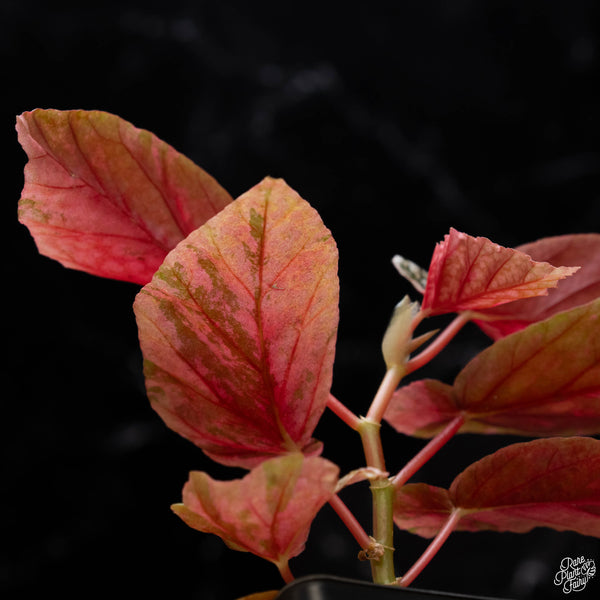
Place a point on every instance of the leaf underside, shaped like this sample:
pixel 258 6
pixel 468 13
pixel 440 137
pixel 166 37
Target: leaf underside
pixel 238 328
pixel 553 482
pixel 582 287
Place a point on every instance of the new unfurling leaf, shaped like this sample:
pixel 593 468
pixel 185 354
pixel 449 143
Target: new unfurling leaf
pixel 238 328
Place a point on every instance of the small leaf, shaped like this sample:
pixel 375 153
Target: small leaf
pixel 583 287
pixel 358 475
pixel 269 512
pixel 469 273
pixel 104 197
pixel 553 482
pixel 543 380
pixel 238 328
pixel 422 408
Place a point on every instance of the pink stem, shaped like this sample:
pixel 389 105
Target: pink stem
pixel 390 381
pixel 428 451
pixel 355 528
pixel 345 414
pixel 432 549
pixel 438 344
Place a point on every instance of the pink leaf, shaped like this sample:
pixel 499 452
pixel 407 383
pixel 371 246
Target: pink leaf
pixel 552 483
pixel 469 273
pixel 238 328
pixel 104 197
pixel 269 512
pixel 543 380
pixel 422 408
pixel 584 286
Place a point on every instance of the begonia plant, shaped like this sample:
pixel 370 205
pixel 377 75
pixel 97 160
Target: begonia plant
pixel 237 317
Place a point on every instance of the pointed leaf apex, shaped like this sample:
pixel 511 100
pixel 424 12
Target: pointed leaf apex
pixel 468 273
pixel 411 271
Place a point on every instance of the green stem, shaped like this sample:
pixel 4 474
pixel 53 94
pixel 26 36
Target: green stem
pixel 371 440
pixel 382 490
pixel 382 565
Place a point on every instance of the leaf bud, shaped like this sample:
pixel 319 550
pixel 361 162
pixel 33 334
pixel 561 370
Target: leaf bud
pixel 396 344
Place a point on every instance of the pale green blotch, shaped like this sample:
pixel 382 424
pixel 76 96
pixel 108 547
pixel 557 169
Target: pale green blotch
pixel 257 224
pixel 30 208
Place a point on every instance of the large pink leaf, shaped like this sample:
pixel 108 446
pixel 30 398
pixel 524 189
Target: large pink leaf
pixel 238 328
pixel 468 273
pixel 584 286
pixel 542 380
pixel 269 512
pixel 553 482
pixel 107 198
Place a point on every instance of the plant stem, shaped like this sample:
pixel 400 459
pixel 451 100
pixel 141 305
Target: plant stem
pixel 371 441
pixel 382 490
pixel 384 394
pixel 382 567
pixel 428 451
pixel 440 342
pixel 432 549
pixel 355 528
pixel 342 412
pixel 286 573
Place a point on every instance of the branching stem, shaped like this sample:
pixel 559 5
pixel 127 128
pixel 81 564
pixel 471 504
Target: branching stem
pixel 428 451
pixel 344 413
pixel 382 491
pixel 355 528
pixel 439 343
pixel 432 549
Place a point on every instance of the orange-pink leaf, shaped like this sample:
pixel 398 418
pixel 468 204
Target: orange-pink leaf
pixel 553 482
pixel 542 380
pixel 468 273
pixel 269 512
pixel 582 287
pixel 104 197
pixel 238 328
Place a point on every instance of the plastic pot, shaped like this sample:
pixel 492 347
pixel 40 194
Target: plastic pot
pixel 325 587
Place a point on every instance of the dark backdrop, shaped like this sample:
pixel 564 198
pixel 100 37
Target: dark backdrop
pixel 396 120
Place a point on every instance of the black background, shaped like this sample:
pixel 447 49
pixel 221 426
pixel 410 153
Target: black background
pixel 396 120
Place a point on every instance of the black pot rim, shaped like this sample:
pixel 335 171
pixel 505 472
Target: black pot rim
pixel 325 587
